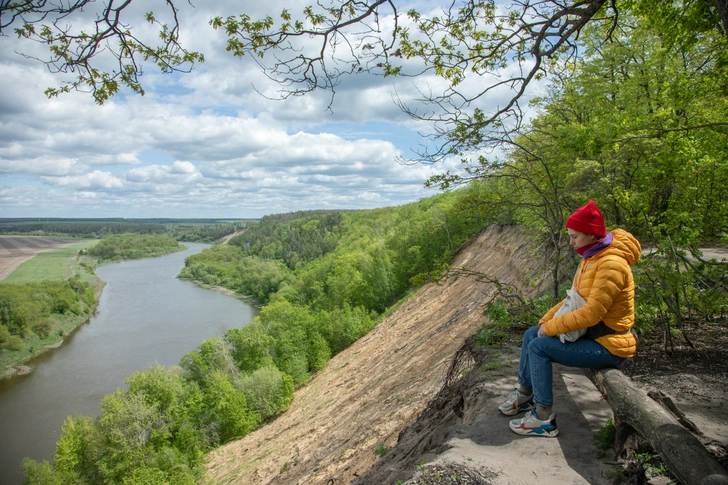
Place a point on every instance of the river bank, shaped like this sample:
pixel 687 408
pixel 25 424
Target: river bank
pixel 19 362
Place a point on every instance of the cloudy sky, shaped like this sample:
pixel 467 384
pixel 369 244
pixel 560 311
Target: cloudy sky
pixel 203 144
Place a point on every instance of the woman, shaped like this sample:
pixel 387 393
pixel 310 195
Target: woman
pixel 604 280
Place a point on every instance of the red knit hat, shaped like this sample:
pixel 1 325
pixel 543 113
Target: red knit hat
pixel 588 220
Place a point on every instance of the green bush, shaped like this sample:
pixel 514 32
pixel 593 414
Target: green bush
pixel 319 352
pixel 250 346
pixel 381 450
pixel 4 335
pixel 14 343
pixel 604 438
pixel 268 391
pixel 42 329
pixel 226 410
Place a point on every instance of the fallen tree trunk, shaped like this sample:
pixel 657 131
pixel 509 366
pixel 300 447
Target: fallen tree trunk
pixel 683 454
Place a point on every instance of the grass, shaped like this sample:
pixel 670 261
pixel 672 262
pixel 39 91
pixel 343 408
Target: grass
pixel 56 264
pixel 381 450
pixel 604 439
pixel 495 363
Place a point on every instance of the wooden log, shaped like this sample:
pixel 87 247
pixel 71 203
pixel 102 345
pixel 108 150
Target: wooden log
pixel 683 454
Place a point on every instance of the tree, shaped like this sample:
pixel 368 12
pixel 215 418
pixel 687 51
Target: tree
pixel 640 128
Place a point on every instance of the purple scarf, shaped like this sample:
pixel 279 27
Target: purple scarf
pixel 596 247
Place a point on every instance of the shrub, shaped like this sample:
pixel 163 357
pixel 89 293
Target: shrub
pixel 226 408
pixel 604 438
pixel 4 335
pixel 319 352
pixel 42 329
pixel 268 391
pixel 15 343
pixel 381 450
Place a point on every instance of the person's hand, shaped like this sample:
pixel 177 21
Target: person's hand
pixel 541 331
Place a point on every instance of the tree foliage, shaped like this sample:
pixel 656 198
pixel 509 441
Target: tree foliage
pixel 292 238
pixel 119 247
pixel 28 307
pixel 315 48
pixel 640 128
pixel 81 50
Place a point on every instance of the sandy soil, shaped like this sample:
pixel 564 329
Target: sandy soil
pixel 15 250
pixel 386 392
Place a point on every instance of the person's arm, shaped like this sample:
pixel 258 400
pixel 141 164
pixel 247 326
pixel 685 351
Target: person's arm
pixel 610 279
pixel 550 314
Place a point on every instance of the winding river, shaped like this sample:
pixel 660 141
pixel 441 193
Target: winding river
pixel 146 316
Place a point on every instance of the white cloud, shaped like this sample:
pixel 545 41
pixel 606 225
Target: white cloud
pixel 206 143
pixel 93 180
pixel 45 165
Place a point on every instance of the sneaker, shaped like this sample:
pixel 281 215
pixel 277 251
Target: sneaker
pixel 516 403
pixel 530 425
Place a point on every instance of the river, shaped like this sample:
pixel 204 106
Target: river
pixel 146 316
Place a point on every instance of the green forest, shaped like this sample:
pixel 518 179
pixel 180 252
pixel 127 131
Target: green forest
pixel 639 126
pixel 29 309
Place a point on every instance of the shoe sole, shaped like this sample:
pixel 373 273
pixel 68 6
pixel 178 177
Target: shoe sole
pixel 540 432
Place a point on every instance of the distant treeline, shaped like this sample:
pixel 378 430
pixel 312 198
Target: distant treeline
pixel 293 238
pixel 153 220
pixel 191 230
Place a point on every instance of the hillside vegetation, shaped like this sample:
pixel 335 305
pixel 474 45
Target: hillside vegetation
pixel 639 127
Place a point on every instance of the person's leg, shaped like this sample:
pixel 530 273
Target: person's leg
pixel 524 369
pixel 543 351
pixel 521 399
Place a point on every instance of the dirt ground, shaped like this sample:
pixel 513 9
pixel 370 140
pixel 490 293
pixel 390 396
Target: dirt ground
pixel 378 413
pixel 15 250
pixel 462 434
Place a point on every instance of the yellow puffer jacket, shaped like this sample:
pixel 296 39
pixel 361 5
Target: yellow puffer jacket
pixel 606 284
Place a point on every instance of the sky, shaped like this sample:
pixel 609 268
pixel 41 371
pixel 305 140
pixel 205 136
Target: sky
pixel 205 144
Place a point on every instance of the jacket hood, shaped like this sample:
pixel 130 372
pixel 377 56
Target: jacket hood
pixel 624 245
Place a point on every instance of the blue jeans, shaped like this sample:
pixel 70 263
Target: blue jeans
pixel 537 353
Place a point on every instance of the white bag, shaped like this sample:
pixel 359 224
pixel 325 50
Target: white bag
pixel 572 302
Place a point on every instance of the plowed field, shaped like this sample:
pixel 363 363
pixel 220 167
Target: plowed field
pixel 15 250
